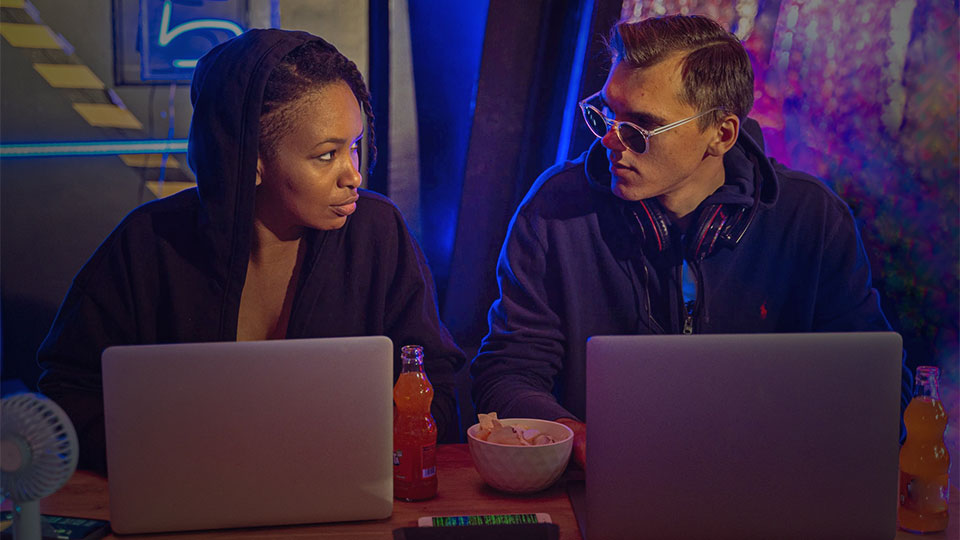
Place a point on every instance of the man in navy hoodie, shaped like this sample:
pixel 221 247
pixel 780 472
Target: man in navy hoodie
pixel 674 221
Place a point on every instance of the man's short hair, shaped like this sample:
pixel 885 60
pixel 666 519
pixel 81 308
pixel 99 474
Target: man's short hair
pixel 716 70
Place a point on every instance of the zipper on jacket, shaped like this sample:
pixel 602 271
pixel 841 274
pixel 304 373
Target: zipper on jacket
pixel 688 320
pixel 690 308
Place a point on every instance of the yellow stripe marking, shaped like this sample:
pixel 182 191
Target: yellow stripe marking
pixel 30 36
pixel 11 4
pixel 149 160
pixel 105 115
pixel 168 188
pixel 69 76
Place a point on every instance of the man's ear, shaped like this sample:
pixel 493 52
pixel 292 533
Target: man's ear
pixel 259 172
pixel 725 135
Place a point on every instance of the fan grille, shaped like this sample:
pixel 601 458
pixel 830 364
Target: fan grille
pixel 43 427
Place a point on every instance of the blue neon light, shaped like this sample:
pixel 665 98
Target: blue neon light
pixel 573 88
pixel 93 148
pixel 167 35
pixel 173 35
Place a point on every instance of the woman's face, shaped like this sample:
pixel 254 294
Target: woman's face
pixel 311 179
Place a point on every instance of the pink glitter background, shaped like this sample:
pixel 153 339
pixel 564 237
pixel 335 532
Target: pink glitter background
pixel 864 94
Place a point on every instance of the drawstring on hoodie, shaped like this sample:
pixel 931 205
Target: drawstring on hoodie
pixel 651 322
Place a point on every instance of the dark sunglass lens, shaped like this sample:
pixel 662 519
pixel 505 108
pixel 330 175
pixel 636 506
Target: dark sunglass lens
pixel 595 121
pixel 633 139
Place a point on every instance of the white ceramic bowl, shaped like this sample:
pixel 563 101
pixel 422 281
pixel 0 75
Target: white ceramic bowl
pixel 522 469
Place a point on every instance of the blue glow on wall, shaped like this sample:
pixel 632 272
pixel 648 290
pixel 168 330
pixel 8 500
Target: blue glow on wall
pixel 92 148
pixel 446 41
pixel 570 110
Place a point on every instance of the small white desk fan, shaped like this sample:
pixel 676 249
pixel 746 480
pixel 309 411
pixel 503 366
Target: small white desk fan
pixel 38 454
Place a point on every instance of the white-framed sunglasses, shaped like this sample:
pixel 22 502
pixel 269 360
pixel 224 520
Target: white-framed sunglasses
pixel 632 136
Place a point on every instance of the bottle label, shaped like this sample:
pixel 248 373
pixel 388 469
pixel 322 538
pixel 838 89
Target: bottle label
pixel 405 465
pixel 428 461
pixel 924 495
pixel 412 466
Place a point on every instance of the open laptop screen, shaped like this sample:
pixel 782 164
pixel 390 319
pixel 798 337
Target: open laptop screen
pixel 743 436
pixel 241 434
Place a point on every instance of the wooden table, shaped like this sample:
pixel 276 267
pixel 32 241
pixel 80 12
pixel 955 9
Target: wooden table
pixel 462 492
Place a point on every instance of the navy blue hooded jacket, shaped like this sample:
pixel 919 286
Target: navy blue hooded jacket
pixel 572 267
pixel 173 270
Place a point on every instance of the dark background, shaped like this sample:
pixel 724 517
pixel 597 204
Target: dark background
pixel 475 99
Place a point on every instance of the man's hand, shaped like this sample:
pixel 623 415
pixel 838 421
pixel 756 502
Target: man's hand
pixel 579 440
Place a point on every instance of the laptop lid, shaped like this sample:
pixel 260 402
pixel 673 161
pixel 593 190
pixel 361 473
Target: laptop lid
pixel 743 436
pixel 243 434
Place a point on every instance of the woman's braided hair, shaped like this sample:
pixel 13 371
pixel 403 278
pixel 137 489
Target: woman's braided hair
pixel 309 67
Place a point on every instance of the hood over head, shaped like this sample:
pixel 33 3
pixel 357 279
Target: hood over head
pixel 227 94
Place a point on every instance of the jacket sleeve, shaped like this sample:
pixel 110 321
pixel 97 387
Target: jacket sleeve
pixel 96 313
pixel 413 319
pixel 846 300
pixel 519 360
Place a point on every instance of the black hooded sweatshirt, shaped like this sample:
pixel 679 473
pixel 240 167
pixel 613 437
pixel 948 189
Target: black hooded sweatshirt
pixel 173 270
pixel 571 267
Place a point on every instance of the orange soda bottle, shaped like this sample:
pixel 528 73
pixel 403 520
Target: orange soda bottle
pixel 924 461
pixel 414 430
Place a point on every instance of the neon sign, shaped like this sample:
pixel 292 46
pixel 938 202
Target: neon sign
pixel 174 34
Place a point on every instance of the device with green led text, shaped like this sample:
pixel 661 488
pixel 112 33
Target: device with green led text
pixel 483 519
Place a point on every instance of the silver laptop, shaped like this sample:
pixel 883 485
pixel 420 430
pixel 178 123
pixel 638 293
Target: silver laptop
pixel 743 436
pixel 244 434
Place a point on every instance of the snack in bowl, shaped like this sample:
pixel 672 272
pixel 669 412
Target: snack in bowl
pixel 492 430
pixel 519 455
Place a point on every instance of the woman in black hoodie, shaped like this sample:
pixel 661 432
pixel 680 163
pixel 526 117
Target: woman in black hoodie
pixel 276 241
